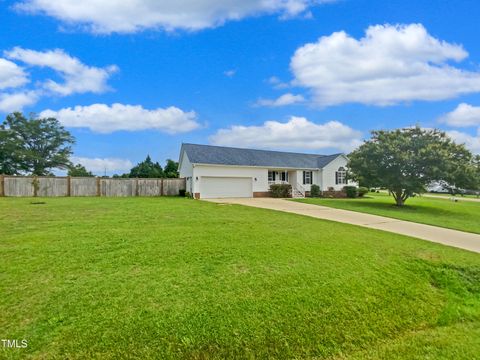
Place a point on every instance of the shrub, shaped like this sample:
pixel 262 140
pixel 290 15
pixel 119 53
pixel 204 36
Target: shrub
pixel 182 192
pixel 362 191
pixel 352 191
pixel 373 190
pixel 280 190
pixel 315 191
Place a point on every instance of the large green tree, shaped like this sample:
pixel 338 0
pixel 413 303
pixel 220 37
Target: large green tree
pixel 9 146
pixel 406 160
pixel 79 171
pixel 171 169
pixel 147 169
pixel 34 145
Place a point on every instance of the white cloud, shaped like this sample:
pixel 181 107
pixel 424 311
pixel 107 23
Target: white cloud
pixel 471 142
pixel 106 119
pixel 298 133
pixel 11 75
pixel 391 64
pixel 277 83
pixel 78 77
pixel 99 165
pixel 283 100
pixel 230 73
pixel 10 102
pixel 109 16
pixel 463 116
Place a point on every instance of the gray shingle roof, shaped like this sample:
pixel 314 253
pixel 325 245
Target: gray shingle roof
pixel 220 155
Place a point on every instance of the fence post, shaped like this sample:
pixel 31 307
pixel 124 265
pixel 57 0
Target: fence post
pixel 69 186
pixel 136 186
pixel 2 185
pixel 98 186
pixel 36 185
pixel 162 192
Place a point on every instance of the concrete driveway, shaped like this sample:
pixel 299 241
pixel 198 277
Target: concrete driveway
pixel 459 239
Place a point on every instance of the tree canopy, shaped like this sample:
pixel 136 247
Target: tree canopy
pixel 406 160
pixel 33 145
pixel 79 171
pixel 171 169
pixel 147 169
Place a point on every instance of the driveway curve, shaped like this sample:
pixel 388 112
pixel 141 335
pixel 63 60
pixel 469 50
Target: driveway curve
pixel 455 238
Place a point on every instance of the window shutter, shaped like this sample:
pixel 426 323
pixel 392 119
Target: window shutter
pixel 336 177
pixel 304 177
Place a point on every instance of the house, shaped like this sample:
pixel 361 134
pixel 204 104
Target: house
pixel 222 172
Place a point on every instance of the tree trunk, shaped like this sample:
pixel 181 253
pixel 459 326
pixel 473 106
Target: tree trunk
pixel 399 197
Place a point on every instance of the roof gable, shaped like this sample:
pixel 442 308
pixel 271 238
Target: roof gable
pixel 220 155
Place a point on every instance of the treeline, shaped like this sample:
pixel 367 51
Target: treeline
pixel 37 146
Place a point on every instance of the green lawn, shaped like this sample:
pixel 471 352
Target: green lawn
pixel 159 278
pixel 461 215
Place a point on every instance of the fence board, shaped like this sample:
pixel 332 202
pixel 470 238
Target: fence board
pixel 171 187
pixel 18 186
pixel 117 187
pixel 90 186
pixel 149 187
pixel 86 186
pixel 52 186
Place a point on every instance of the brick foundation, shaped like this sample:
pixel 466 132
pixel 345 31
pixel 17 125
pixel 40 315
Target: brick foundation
pixel 261 194
pixel 334 194
pixel 196 195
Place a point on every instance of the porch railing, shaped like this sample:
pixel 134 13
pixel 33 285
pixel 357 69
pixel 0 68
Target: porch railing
pixel 270 182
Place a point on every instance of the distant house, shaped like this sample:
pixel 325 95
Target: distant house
pixel 223 172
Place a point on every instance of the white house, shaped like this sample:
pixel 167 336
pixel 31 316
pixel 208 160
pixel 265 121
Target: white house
pixel 222 172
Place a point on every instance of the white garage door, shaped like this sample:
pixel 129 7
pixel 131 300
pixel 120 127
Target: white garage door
pixel 225 187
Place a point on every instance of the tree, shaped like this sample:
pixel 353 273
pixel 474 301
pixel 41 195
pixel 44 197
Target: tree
pixel 171 169
pixel 34 145
pixel 147 169
pixel 9 146
pixel 405 161
pixel 79 171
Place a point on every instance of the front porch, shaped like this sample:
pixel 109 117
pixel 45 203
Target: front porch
pixel 287 177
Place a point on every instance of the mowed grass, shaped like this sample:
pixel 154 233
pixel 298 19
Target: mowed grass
pixel 461 215
pixel 172 278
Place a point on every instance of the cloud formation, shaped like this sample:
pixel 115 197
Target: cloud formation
pixel 10 102
pixel 464 115
pixel 471 142
pixel 100 165
pixel 78 77
pixel 389 65
pixel 297 133
pixel 283 100
pixel 103 118
pixel 11 75
pixel 108 16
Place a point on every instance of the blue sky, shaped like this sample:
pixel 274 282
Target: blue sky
pixel 293 75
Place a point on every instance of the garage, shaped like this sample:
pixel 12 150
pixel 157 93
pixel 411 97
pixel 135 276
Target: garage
pixel 225 187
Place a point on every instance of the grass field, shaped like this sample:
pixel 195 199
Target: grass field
pixel 462 215
pixel 155 278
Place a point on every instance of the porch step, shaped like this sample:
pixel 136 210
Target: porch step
pixel 297 194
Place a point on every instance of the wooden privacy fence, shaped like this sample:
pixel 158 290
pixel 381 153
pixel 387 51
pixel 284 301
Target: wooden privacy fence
pixel 87 186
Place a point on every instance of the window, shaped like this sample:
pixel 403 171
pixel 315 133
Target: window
pixel 307 177
pixel 284 176
pixel 271 176
pixel 341 176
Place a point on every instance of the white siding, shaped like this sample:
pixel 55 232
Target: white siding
pixel 186 171
pixel 328 174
